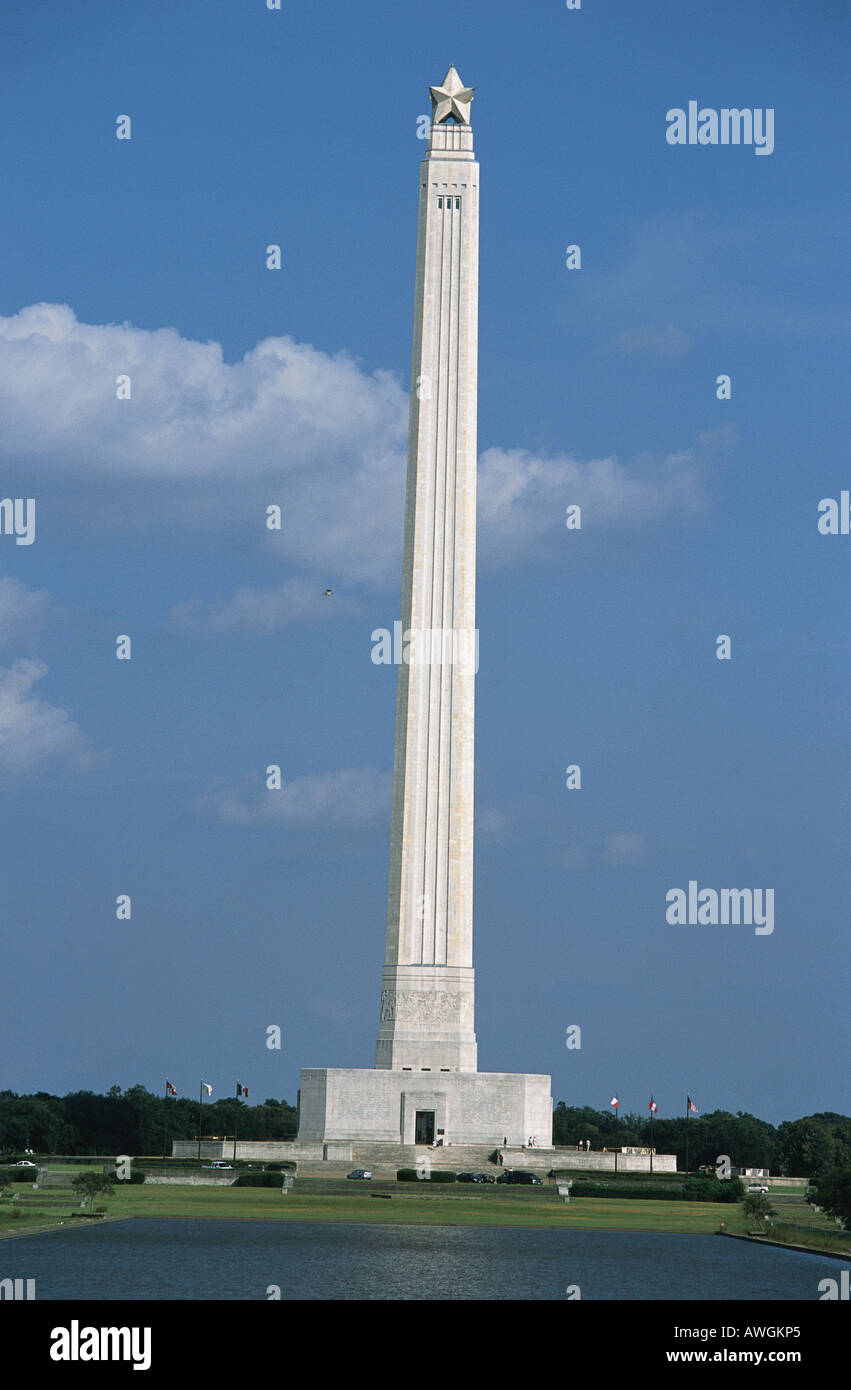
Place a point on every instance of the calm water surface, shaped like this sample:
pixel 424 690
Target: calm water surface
pixel 147 1259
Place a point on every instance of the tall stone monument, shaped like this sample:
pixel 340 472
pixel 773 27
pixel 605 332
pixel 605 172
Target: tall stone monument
pixel 425 1085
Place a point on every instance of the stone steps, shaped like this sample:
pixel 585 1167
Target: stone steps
pixel 460 1158
pixel 384 1159
pixel 795 1211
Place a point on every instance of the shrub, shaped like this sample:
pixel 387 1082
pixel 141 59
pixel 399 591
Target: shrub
pixel 416 1175
pixel 693 1190
pixel 134 1176
pixel 713 1190
pixel 189 1163
pixel 29 1175
pixel 260 1180
pixel 626 1191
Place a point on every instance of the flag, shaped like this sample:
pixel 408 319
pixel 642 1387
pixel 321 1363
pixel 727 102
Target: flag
pixel 614 1101
pixel 692 1107
pixel 241 1090
pixel 207 1087
pixel 653 1106
pixel 169 1089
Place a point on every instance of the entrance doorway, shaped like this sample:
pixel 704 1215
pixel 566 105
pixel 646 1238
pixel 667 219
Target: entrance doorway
pixel 425 1127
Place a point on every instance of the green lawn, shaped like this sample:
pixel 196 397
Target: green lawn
pixel 27 1220
pixel 335 1201
pixel 432 1210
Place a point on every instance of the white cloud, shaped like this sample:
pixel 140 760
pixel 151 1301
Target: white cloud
pixel 667 341
pixel 625 847
pixel 203 443
pixel 574 857
pixel 32 731
pixel 350 798
pixel 22 611
pixel 491 825
pixel 522 498
pixel 262 610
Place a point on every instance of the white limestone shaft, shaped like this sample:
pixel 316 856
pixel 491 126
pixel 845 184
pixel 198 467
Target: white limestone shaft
pixel 430 899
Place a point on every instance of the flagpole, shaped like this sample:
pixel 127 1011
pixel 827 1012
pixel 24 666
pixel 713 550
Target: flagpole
pixel 165 1120
pixel 686 1136
pixel 651 1134
pixel 200 1108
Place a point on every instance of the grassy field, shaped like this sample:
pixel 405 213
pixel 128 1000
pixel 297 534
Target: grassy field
pixel 360 1206
pixel 334 1201
pixel 836 1241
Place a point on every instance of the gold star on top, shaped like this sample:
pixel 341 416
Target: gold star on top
pixel 452 99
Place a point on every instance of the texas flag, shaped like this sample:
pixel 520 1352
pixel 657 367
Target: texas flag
pixel 653 1106
pixel 170 1090
pixel 207 1087
pixel 692 1107
pixel 614 1101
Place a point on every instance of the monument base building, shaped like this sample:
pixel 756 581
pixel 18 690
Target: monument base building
pixel 408 1107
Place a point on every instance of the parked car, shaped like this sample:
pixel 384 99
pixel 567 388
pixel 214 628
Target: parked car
pixel 475 1177
pixel 25 1163
pixel 757 1187
pixel 519 1175
pixel 360 1173
pixel 217 1163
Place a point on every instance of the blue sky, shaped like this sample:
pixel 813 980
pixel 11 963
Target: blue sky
pixel 252 387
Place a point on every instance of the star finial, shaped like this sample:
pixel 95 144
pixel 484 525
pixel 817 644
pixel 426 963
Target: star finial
pixel 451 99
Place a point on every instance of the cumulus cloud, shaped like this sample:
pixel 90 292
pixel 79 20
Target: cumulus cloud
pixel 574 857
pixel 262 610
pixel 349 798
pixel 203 443
pixel 621 849
pixel 491 825
pixel 667 341
pixel 22 611
pixel 625 847
pixel 522 498
pixel 32 731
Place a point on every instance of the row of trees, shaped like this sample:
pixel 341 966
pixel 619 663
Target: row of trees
pixel 137 1122
pixel 133 1121
pixel 816 1144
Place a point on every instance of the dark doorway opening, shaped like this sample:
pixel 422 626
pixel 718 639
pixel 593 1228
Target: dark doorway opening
pixel 425 1127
